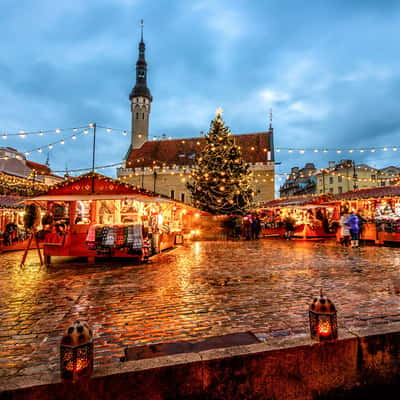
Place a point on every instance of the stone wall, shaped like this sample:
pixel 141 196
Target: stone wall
pixel 286 369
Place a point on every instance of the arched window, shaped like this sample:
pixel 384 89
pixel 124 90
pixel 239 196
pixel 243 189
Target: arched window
pixel 142 115
pixel 137 115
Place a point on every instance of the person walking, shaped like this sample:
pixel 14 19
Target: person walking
pixel 354 226
pixel 344 230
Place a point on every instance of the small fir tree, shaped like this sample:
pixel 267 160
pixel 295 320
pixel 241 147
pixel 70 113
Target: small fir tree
pixel 221 181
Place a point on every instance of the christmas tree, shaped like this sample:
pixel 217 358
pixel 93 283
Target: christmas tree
pixel 220 180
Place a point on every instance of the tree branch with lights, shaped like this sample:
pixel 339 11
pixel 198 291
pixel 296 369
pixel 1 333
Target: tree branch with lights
pixel 220 182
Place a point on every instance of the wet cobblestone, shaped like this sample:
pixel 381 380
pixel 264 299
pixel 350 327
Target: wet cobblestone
pixel 198 290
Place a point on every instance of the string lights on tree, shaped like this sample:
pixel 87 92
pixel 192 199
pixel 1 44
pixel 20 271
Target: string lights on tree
pixel 220 182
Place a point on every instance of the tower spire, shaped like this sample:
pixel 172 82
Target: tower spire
pixel 140 98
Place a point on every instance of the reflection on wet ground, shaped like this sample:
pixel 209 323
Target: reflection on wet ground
pixel 198 290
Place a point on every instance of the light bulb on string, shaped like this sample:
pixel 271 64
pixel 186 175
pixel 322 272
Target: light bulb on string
pixel 50 146
pixel 85 131
pixel 39 150
pixel 73 137
pixel 108 130
pixel 62 141
pixel 40 133
pixel 4 136
pixel 22 135
pixel 75 130
pixel 58 130
pixel 124 133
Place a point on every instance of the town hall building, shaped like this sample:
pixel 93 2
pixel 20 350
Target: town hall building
pixel 164 166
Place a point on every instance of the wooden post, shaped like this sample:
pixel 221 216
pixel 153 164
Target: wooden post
pixel 31 237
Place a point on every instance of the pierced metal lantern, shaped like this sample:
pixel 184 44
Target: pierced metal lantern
pixel 323 319
pixel 76 352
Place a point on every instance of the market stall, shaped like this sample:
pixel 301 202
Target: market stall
pixel 96 216
pixel 310 217
pixel 379 207
pixel 12 233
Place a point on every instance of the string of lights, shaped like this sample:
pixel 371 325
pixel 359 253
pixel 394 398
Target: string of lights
pixel 22 134
pixel 337 150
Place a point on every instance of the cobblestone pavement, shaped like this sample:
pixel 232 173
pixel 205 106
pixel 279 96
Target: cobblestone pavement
pixel 198 290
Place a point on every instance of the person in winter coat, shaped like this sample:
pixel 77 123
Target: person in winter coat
pixel 354 226
pixel 344 230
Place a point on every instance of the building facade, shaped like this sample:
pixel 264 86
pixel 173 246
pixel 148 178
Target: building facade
pixel 164 166
pixel 14 163
pixel 300 181
pixel 340 177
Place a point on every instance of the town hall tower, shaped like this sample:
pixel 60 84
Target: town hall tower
pixel 141 99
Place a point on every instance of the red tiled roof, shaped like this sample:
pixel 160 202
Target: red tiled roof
pixel 254 147
pixel 367 193
pixel 40 168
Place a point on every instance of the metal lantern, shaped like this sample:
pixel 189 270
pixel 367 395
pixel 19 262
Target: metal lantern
pixel 76 352
pixel 323 319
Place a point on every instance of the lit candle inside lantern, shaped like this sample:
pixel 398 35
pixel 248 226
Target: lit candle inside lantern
pixel 324 327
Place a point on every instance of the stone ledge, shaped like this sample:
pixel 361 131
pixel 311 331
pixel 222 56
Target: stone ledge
pixel 280 368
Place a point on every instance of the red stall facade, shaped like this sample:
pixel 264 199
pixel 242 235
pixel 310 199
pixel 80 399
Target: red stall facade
pixel 313 217
pixel 96 216
pixel 380 209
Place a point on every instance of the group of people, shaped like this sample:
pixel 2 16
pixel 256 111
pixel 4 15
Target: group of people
pixel 247 227
pixel 351 225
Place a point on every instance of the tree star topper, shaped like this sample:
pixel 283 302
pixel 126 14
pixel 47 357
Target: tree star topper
pixel 218 112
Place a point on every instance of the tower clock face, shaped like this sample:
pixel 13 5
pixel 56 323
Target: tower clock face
pixel 141 74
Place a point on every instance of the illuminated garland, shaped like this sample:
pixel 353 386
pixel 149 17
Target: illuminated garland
pixel 336 150
pixel 22 186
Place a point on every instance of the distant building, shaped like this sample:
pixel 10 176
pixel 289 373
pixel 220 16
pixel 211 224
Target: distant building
pixel 299 181
pixel 164 166
pixel 337 178
pixel 14 163
pixel 346 176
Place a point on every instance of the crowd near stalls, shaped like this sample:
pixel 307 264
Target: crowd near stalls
pixel 379 209
pixel 304 217
pixel 12 230
pixel 96 216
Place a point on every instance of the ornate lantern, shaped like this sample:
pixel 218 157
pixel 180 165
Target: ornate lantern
pixel 323 320
pixel 76 352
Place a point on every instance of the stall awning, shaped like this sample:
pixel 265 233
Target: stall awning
pixel 94 196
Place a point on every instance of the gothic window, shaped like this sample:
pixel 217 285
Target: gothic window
pixel 142 115
pixel 137 115
pixel 182 197
pixel 331 180
pixel 173 194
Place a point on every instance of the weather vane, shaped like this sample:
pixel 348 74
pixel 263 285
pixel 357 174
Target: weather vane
pixel 141 27
pixel 218 112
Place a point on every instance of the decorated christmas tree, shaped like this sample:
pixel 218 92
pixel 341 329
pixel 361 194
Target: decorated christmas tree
pixel 220 180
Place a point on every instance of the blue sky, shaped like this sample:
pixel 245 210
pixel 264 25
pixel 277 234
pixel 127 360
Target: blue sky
pixel 328 69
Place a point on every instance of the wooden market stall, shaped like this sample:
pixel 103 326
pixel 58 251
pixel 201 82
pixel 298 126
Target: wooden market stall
pixel 313 217
pixel 12 233
pixel 379 207
pixel 96 216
